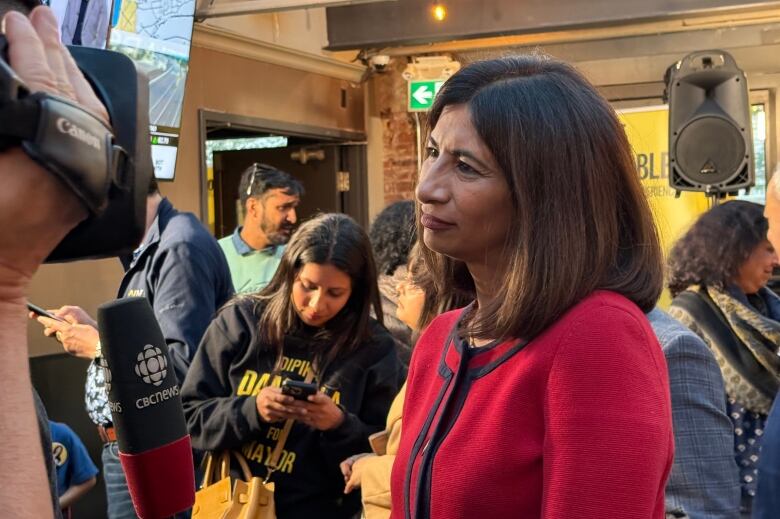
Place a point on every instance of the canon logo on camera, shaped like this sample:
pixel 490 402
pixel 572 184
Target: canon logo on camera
pixel 69 128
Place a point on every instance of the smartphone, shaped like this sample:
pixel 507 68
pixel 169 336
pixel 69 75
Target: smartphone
pixel 298 390
pixel 37 310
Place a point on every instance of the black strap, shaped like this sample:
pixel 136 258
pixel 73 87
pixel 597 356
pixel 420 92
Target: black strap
pixel 19 121
pixel 712 321
pixel 19 112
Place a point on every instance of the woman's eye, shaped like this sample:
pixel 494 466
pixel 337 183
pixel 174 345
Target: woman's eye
pixel 465 168
pixel 430 151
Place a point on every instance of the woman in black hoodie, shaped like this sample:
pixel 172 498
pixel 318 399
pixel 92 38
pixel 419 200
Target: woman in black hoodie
pixel 314 315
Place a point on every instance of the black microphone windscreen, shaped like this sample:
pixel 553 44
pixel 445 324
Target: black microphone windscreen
pixel 143 392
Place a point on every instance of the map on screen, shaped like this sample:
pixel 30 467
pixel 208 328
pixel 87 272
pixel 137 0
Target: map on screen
pixel 156 34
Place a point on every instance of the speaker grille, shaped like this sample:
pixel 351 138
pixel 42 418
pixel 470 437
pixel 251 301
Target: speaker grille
pixel 709 150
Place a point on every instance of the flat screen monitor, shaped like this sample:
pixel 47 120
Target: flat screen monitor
pixel 156 34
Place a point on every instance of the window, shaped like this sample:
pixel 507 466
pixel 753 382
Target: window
pixel 758 118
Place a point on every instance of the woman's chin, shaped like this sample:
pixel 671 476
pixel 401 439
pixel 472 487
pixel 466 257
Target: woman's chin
pixel 316 322
pixel 445 245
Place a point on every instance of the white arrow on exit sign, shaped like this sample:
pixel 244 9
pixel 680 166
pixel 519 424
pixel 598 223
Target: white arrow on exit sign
pixel 422 95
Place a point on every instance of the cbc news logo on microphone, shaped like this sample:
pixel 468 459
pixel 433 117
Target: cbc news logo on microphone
pixel 152 365
pixel 107 378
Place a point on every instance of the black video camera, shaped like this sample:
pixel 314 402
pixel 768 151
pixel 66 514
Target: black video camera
pixel 108 168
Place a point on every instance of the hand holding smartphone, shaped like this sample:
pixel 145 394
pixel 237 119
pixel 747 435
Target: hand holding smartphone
pixel 298 390
pixel 37 310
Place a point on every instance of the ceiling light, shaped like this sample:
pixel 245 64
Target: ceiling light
pixel 439 12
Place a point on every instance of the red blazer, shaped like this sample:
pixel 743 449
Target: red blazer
pixel 576 424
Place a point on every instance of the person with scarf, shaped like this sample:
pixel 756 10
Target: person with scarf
pixel 718 275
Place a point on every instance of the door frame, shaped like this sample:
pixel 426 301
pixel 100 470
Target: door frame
pixel 355 149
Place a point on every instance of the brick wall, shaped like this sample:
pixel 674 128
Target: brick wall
pixel 398 133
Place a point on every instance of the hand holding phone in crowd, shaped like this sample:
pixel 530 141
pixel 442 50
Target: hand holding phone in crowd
pixel 317 410
pixel 71 326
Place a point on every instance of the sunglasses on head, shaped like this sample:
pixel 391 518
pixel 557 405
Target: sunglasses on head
pixel 257 168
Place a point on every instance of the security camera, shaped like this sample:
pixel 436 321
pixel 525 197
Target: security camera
pixel 379 62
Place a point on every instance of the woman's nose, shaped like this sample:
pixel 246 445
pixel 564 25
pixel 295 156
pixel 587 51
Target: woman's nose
pixel 316 302
pixel 432 185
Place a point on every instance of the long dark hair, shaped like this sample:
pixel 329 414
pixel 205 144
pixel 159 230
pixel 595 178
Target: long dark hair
pixel 581 220
pixel 334 239
pixel 437 300
pixel 716 245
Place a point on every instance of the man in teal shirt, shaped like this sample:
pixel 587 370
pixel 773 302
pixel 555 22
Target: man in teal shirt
pixel 269 197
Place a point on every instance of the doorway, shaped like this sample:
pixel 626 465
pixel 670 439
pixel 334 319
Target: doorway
pixel 331 164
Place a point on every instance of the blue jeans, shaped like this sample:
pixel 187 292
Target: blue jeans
pixel 120 505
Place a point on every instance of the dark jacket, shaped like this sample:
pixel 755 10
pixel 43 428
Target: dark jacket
pixel 181 270
pixel 183 273
pixel 232 366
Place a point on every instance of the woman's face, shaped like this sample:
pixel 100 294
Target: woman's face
pixel 755 271
pixel 465 200
pixel 411 299
pixel 320 292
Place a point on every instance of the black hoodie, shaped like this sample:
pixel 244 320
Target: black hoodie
pixel 232 365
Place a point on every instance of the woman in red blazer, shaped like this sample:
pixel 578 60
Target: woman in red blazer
pixel 547 397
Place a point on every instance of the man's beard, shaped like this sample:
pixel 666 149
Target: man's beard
pixel 277 235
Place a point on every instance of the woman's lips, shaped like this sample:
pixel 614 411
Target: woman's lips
pixel 431 222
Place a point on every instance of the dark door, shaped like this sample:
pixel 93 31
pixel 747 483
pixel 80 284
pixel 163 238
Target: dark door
pixel 319 178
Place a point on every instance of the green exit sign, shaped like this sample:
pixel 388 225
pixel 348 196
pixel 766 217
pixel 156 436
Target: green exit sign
pixel 422 92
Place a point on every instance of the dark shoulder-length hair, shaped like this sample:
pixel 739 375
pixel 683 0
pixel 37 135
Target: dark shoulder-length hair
pixel 437 300
pixel 581 220
pixel 716 245
pixel 328 239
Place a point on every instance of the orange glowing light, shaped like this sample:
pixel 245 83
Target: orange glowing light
pixel 439 12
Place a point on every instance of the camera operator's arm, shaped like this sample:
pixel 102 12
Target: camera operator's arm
pixel 36 211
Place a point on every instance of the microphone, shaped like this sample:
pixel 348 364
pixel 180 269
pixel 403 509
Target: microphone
pixel 143 394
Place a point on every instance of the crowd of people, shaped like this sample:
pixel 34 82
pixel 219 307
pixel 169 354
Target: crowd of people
pixel 527 372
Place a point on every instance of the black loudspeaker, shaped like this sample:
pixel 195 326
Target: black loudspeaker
pixel 710 138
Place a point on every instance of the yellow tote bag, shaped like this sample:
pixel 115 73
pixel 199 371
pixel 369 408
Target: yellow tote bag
pixel 219 498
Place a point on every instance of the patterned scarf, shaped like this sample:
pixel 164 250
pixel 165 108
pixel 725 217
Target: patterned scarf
pixel 752 374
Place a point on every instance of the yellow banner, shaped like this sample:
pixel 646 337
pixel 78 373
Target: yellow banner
pixel 648 133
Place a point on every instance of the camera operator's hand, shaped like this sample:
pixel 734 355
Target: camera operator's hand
pixel 38 56
pixel 36 209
